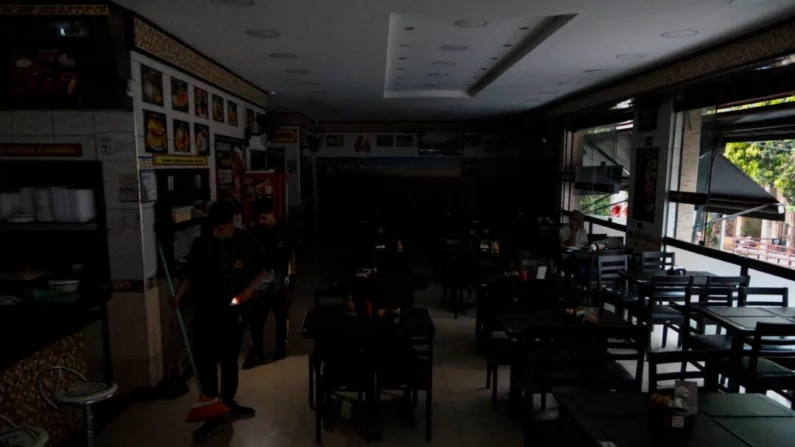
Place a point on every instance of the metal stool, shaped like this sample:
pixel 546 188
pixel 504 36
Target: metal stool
pixel 20 436
pixel 81 392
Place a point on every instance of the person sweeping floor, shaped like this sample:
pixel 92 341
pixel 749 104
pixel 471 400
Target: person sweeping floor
pixel 224 269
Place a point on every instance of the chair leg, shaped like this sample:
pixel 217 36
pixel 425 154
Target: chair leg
pixel 89 426
pixel 488 373
pixel 495 372
pixel 428 412
pixel 320 408
pixel 312 405
pixel 665 335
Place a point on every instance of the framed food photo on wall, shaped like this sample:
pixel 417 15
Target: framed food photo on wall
pixel 201 136
pixel 644 198
pixel 218 109
pixel 201 102
pixel 179 95
pixel 151 86
pixel 155 132
pixel 231 113
pixel 181 137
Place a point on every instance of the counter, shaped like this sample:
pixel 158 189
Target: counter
pixel 38 335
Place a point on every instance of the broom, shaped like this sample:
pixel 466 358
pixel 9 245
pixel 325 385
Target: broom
pixel 206 407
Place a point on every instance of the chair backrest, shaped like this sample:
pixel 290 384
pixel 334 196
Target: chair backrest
pixel 664 288
pixel 657 260
pixel 781 295
pixel 656 359
pixel 771 340
pixel 583 352
pixel 593 237
pixel 728 281
pixel 607 268
pixel 330 298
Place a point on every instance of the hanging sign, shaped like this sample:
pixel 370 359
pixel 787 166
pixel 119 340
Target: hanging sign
pixel 179 160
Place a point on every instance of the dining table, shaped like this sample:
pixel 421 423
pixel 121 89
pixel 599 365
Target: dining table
pixel 641 277
pixel 723 420
pixel 740 323
pixel 517 325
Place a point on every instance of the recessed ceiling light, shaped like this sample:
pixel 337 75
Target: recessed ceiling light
pixel 432 85
pixel 524 28
pixel 467 85
pixel 548 92
pixel 455 48
pixel 283 55
pixel 399 69
pixel 409 28
pixel 483 68
pixel 508 45
pixel 594 70
pixel 438 75
pixel 444 63
pixel 236 3
pixel 678 34
pixel 308 83
pixel 531 100
pixel 471 23
pixel 631 56
pixel 398 77
pixel 262 33
pixel 562 83
pixel 402 58
pixel 474 77
pixel 404 45
pixel 296 71
pixel 495 58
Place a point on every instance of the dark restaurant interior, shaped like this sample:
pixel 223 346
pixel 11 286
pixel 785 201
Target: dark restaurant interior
pixel 453 223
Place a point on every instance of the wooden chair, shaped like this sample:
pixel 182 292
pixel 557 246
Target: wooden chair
pixel 657 260
pixel 707 373
pixel 653 306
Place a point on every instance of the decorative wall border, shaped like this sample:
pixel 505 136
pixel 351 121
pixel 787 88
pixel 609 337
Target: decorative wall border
pixel 773 42
pixel 157 43
pixel 54 10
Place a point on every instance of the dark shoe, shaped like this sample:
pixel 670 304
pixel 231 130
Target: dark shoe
pixel 238 411
pixel 254 360
pixel 208 429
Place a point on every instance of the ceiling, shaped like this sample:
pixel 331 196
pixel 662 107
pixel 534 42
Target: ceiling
pixel 407 60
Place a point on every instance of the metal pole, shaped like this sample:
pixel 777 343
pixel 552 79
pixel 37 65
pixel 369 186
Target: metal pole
pixel 722 233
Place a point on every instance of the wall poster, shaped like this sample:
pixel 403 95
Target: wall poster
pixel 179 95
pixel 156 131
pixel 201 135
pixel 151 85
pixel 201 101
pixel 231 113
pixel 644 198
pixel 218 109
pixel 229 168
pixel 181 136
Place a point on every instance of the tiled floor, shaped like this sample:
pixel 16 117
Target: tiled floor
pixel 278 391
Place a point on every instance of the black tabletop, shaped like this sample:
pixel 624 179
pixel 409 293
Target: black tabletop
pixel 394 279
pixel 728 420
pixel 743 320
pixel 516 325
pixel 417 322
pixel 645 276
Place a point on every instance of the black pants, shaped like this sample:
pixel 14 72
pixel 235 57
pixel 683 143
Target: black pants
pixel 218 340
pixel 259 308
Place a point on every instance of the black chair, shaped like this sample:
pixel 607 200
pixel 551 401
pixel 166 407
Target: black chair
pixel 657 260
pixel 582 357
pixel 326 300
pixel 782 293
pixel 612 286
pixel 757 371
pixel 653 309
pixel 699 340
pixel 706 372
pixel 343 353
pixel 405 363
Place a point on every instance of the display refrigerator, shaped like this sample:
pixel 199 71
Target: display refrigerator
pixel 264 186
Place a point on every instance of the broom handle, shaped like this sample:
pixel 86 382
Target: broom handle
pixel 179 320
